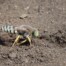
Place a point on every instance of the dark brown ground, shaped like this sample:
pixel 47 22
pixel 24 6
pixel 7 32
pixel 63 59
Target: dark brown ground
pixel 49 16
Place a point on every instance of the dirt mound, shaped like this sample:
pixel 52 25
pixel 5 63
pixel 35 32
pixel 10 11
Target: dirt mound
pixel 58 38
pixel 7 39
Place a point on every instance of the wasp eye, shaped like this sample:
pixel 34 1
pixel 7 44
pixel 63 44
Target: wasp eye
pixel 35 33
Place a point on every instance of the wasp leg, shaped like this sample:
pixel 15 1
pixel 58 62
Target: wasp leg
pixel 17 39
pixel 27 39
pixel 22 42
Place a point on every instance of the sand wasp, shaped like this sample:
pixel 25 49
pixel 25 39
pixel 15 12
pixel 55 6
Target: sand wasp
pixel 24 32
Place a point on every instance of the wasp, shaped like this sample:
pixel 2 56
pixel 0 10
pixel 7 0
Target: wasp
pixel 24 32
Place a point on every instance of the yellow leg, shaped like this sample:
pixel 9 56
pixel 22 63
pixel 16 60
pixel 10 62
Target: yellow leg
pixel 28 39
pixel 24 41
pixel 17 39
pixel 20 36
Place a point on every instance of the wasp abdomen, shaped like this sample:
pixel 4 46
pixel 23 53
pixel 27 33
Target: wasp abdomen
pixel 8 28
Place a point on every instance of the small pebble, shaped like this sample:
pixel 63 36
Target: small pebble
pixel 23 16
pixel 12 55
pixel 27 8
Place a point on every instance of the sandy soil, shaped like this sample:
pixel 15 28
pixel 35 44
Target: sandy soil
pixel 49 16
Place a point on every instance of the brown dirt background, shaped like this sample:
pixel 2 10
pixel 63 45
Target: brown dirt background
pixel 49 16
